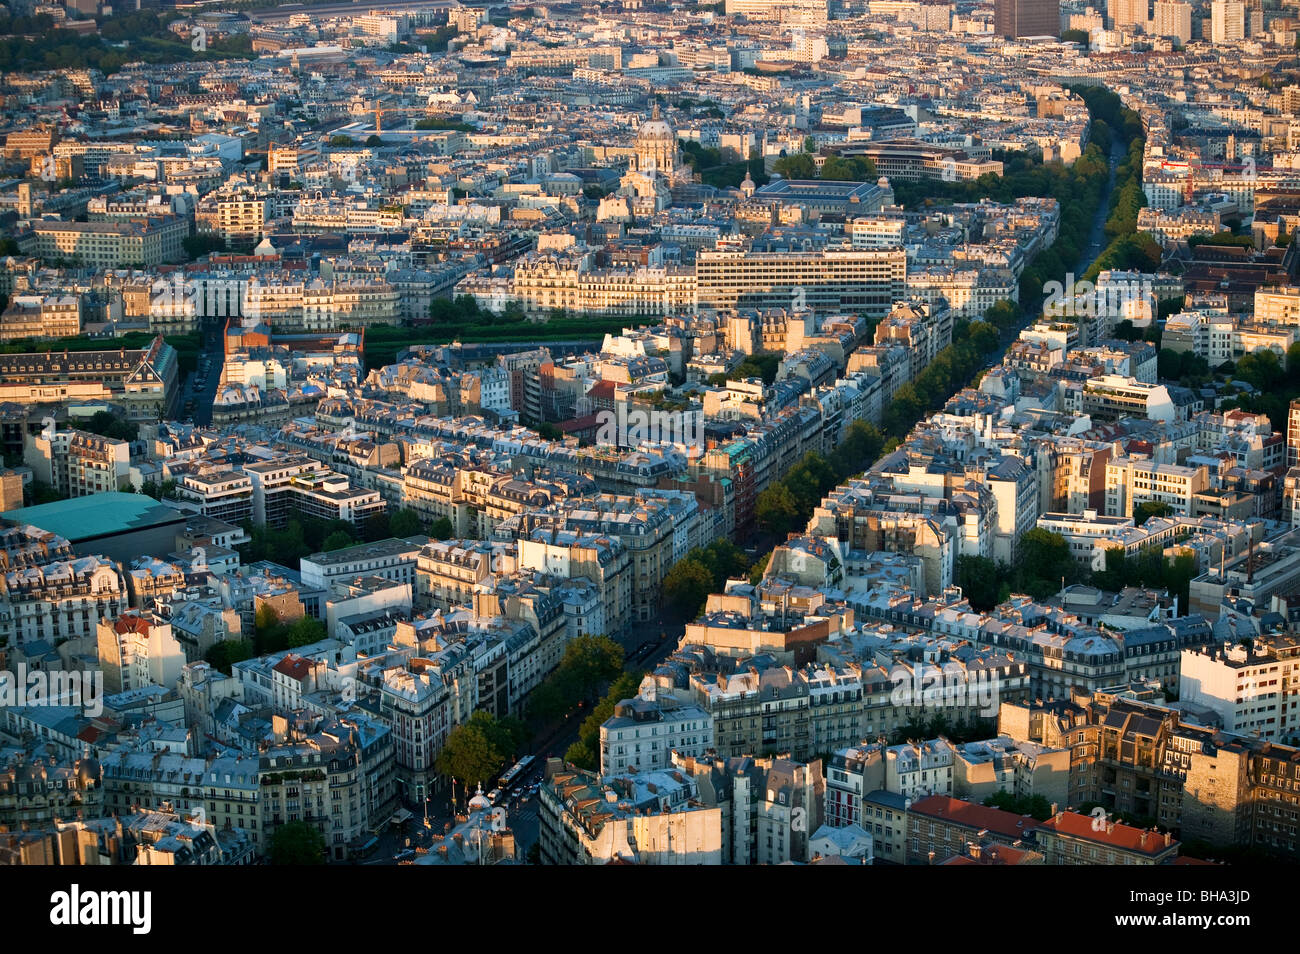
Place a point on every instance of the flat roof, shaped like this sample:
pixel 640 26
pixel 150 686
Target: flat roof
pixel 97 515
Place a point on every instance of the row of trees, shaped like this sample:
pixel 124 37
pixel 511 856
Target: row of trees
pixel 303 535
pixel 714 170
pixel 590 663
pixel 36 43
pixel 802 165
pixel 951 370
pixel 585 753
pixel 786 505
pixel 1043 564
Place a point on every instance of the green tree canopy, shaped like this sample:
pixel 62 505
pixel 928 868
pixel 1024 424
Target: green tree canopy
pixel 297 843
pixel 476 751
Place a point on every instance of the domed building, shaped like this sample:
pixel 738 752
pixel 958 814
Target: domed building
pixel 656 147
pixel 656 164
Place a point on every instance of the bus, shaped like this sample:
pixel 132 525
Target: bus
pixel 514 774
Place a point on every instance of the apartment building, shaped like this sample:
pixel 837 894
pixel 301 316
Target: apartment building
pixel 656 531
pixel 222 493
pixel 137 651
pixel 41 316
pixel 142 243
pixel 1227 22
pixel 651 818
pixel 1135 480
pixel 239 218
pixel 143 381
pixel 543 284
pixel 1069 838
pixel 296 483
pixel 1173 19
pixel 911 159
pixel 1022 769
pixel 939 827
pixel 78 463
pixel 1254 690
pixel 605 561
pixel 1017 18
pixel 645 732
pixel 866 281
pixel 924 329
pixel 1111 397
pixel 62 600
pixel 390 559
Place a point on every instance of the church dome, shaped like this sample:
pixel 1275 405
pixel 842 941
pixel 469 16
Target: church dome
pixel 656 129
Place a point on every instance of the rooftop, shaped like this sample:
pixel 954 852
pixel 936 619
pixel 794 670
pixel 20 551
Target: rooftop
pixel 97 515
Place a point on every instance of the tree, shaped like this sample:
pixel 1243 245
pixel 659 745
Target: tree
pixel 108 424
pixel 476 750
pixel 723 559
pixel 763 365
pixel 777 510
pixel 798 166
pixel 405 523
pixel 374 140
pixel 1125 331
pixel 297 843
pixel 1043 562
pixel 589 662
pixel 225 654
pixel 979 580
pixel 1262 369
pixel 859 449
pixel 269 634
pixel 342 140
pixel 441 529
pixel 686 588
pixel 1152 508
pixel 304 631
pixel 583 756
pixel 337 541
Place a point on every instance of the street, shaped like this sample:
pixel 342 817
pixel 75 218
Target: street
pixel 196 400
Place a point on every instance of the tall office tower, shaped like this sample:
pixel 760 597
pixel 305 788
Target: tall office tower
pixel 1173 19
pixel 1127 13
pixel 1013 18
pixel 1227 21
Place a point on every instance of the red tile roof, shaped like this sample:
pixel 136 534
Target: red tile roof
pixel 1116 835
pixel 974 816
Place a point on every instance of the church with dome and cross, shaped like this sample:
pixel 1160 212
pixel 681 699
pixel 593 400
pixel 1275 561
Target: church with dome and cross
pixel 656 165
